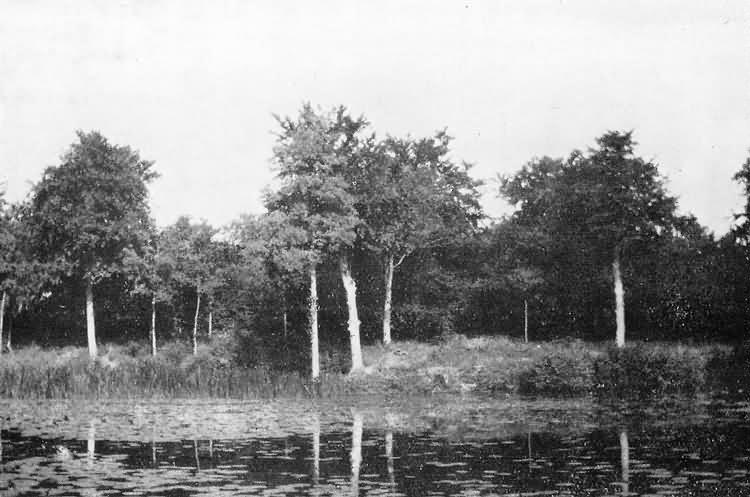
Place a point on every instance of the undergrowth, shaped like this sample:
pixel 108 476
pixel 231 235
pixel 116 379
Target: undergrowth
pixel 484 365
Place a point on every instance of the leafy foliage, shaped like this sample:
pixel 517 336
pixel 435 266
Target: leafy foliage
pixel 92 209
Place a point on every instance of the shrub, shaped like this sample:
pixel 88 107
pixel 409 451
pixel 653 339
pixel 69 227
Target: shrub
pixel 646 370
pixel 730 369
pixel 560 373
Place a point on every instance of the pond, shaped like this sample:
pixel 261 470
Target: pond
pixel 416 446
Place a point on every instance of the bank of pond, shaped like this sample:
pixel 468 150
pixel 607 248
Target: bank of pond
pixel 487 366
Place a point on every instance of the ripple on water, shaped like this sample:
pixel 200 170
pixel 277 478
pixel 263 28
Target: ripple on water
pixel 381 448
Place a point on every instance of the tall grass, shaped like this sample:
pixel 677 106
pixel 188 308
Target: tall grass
pixel 485 365
pixel 64 373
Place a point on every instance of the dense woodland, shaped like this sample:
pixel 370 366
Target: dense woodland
pixel 369 239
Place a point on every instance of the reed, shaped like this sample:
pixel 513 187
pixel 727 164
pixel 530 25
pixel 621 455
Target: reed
pixel 484 365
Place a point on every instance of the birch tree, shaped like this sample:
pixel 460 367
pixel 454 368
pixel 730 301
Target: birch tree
pixel 313 156
pixel 599 204
pixel 7 249
pixel 412 196
pixel 289 261
pixel 185 252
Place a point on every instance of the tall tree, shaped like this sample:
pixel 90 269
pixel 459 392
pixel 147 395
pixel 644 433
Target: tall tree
pixel 742 227
pixel 601 202
pixel 150 276
pixel 23 278
pixel 7 249
pixel 412 196
pixel 314 154
pixel 91 210
pixel 288 262
pixel 185 254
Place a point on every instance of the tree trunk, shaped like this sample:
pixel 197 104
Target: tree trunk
pixel 624 460
pixel 619 300
pixel 210 323
pixel 90 323
pixel 153 325
pixel 526 320
pixel 284 325
pixel 351 301
pixel 2 318
pixel 314 352
pixel 388 300
pixel 10 327
pixel 195 322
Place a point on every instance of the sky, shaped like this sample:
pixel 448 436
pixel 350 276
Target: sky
pixel 194 86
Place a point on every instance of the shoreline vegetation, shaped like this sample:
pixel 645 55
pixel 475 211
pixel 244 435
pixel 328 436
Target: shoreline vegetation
pixel 481 366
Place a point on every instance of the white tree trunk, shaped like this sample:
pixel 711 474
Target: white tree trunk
pixel 350 287
pixel 195 322
pixel 2 318
pixel 284 325
pixel 210 323
pixel 388 300
pixel 90 323
pixel 526 320
pixel 314 347
pixel 10 330
pixel 619 301
pixel 624 460
pixel 153 325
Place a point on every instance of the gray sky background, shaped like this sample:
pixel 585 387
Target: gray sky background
pixel 193 86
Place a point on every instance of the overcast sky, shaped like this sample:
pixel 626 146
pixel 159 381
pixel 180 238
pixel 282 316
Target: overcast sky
pixel 193 86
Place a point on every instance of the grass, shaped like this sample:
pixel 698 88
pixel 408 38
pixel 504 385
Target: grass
pixel 68 372
pixel 484 365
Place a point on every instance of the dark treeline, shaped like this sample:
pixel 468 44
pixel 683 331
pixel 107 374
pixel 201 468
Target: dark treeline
pixel 370 238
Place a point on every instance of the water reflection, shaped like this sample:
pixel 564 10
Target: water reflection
pixel 389 458
pixel 316 451
pixel 91 443
pixel 356 454
pixel 624 461
pixel 348 455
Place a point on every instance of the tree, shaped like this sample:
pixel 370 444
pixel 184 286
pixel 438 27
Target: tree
pixel 314 154
pixel 282 249
pixel 7 249
pixel 90 211
pixel 150 274
pixel 598 204
pixel 412 196
pixel 24 280
pixel 184 258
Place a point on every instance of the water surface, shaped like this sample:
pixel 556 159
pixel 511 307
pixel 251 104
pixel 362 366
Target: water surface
pixel 430 446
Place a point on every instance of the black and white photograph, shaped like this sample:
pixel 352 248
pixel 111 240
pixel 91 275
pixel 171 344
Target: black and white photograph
pixel 375 248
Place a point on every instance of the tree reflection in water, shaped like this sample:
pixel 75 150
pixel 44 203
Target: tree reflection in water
pixel 624 460
pixel 356 454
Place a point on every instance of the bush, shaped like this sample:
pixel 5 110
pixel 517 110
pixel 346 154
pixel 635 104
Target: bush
pixel 646 370
pixel 730 370
pixel 565 372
